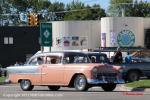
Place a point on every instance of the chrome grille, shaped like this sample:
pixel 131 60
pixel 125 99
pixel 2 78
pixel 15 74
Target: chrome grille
pixel 109 77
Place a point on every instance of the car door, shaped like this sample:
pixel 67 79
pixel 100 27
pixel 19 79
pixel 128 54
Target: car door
pixel 52 72
pixel 34 69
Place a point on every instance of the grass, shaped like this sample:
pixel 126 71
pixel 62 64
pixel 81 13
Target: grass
pixel 139 84
pixel 2 79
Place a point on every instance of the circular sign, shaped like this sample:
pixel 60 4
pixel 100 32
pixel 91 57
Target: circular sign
pixel 126 38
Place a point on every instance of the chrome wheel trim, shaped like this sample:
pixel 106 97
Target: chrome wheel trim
pixel 80 83
pixel 25 84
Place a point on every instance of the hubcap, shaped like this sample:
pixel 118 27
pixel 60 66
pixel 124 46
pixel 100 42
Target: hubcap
pixel 81 83
pixel 133 77
pixel 25 84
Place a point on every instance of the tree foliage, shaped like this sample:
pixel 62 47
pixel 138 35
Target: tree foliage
pixel 140 9
pixel 131 7
pixel 14 12
pixel 19 4
pixel 78 11
pixel 116 7
pixel 57 6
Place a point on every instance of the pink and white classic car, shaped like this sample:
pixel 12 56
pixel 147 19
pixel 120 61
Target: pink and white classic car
pixel 64 69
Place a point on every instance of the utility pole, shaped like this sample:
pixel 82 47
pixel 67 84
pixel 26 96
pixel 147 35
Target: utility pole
pixel 123 8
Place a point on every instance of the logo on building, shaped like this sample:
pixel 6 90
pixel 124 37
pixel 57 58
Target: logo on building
pixel 126 38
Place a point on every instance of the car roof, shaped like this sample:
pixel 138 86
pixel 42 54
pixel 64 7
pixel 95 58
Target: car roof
pixel 95 53
pixel 60 53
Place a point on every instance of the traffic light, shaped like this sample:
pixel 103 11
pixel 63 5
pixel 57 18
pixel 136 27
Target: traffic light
pixel 36 19
pixel 33 19
pixel 30 19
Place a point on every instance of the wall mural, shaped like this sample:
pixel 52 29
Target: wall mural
pixel 113 39
pixel 126 38
pixel 103 39
pixel 71 41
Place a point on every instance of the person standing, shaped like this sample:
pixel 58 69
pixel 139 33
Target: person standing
pixel 118 57
pixel 128 58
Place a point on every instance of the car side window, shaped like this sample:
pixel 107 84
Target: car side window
pixel 53 60
pixel 66 60
pixel 37 61
pixel 75 59
pixel 102 59
pixel 93 59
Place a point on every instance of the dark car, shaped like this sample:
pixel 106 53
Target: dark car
pixel 140 60
pixel 138 67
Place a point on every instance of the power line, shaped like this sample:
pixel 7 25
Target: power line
pixel 77 10
pixel 65 11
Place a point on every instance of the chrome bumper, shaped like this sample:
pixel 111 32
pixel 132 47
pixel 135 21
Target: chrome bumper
pixel 7 81
pixel 96 81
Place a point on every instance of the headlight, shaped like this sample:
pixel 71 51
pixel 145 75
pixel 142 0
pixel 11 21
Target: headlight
pixel 95 71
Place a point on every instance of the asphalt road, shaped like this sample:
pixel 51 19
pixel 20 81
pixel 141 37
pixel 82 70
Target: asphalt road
pixel 13 92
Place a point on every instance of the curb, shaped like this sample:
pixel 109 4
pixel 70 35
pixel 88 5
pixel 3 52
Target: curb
pixel 5 82
pixel 2 83
pixel 123 87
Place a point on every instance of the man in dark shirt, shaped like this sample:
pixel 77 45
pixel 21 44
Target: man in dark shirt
pixel 118 57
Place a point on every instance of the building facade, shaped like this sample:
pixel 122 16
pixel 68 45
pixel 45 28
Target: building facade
pixel 107 32
pixel 17 44
pixel 75 35
pixel 124 31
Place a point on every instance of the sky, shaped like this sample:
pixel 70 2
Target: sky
pixel 103 3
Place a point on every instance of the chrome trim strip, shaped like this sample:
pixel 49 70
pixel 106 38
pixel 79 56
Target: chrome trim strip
pixel 32 73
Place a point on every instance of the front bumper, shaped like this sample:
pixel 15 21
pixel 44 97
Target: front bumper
pixel 7 81
pixel 97 81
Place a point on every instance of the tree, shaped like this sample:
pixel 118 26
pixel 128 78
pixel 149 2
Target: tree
pixel 130 7
pixel 117 6
pixel 78 11
pixel 140 9
pixel 57 10
pixel 57 6
pixel 43 5
pixel 97 12
pixel 21 5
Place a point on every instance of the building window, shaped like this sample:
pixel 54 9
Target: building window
pixel 11 40
pixel 5 40
pixel 8 40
